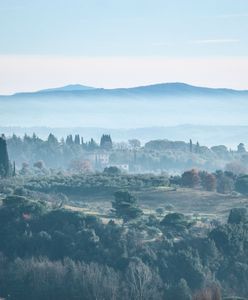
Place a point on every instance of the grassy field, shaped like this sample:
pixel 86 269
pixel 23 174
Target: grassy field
pixel 188 201
pixel 191 201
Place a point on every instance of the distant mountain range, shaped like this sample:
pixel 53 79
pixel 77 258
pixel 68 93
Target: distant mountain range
pixel 155 90
pixel 159 105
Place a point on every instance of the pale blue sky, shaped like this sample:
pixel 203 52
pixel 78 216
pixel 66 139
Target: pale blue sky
pixel 171 29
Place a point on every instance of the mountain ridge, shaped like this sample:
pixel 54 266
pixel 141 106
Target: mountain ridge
pixel 158 89
pixel 67 88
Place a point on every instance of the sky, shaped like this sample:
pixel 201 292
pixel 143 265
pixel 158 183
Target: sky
pixel 121 43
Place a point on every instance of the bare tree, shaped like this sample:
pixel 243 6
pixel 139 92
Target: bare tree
pixel 142 282
pixel 209 293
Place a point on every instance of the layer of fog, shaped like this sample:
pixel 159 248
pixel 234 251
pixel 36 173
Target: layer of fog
pixel 122 113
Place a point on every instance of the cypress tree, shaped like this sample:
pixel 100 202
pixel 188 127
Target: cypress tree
pixel 190 146
pixel 4 158
pixel 106 142
pixel 197 148
pixel 77 139
pixel 69 140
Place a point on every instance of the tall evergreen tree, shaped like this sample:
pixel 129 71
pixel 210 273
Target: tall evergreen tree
pixel 69 140
pixel 4 158
pixel 197 147
pixel 106 142
pixel 241 148
pixel 77 139
pixel 190 146
pixel 52 140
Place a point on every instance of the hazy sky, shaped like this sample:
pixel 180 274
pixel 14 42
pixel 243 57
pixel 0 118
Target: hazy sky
pixel 112 43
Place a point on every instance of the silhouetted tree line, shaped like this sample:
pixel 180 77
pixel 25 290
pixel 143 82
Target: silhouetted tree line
pixel 105 182
pixel 155 156
pixel 53 152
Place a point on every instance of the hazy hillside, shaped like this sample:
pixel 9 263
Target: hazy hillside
pixel 155 105
pixel 162 89
pixel 67 88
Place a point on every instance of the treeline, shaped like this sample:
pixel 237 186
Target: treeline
pixel 155 156
pixel 111 180
pixel 52 152
pixel 55 253
pixel 39 279
pixel 83 183
pixel 108 182
pixel 222 182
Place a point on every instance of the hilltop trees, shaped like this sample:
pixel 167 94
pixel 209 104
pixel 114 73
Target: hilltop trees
pixel 106 142
pixel 77 139
pixel 155 156
pixel 52 140
pixel 4 158
pixel 241 148
pixel 190 146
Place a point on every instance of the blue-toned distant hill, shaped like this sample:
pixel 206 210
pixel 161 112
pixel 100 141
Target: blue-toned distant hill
pixel 155 90
pixel 68 88
pixel 157 105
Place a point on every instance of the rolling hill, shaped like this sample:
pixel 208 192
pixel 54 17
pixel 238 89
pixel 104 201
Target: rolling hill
pixel 158 105
pixel 155 90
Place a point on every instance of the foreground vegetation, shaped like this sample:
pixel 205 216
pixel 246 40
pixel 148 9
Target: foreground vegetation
pixel 111 235
pixel 49 251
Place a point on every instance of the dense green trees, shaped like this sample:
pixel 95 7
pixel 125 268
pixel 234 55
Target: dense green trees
pixel 241 184
pixel 191 178
pixel 175 221
pixel 142 258
pixel 112 171
pixel 222 182
pixel 225 182
pixel 238 215
pixel 125 206
pixel 90 183
pixel 52 253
